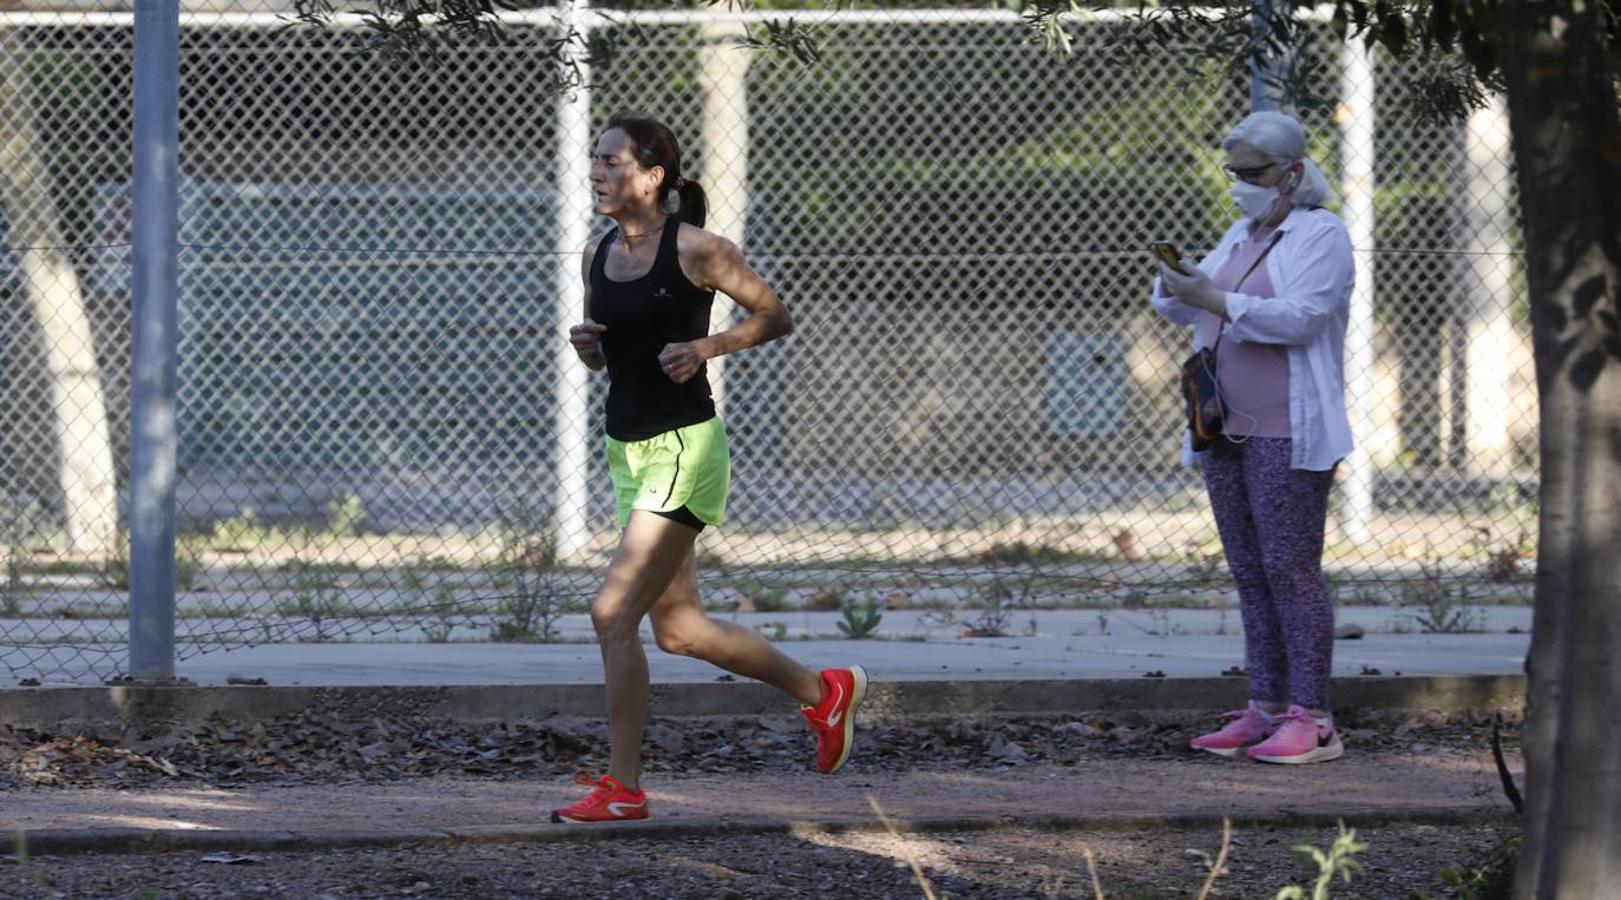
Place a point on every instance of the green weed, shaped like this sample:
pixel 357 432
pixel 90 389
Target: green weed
pixel 860 621
pixel 1339 861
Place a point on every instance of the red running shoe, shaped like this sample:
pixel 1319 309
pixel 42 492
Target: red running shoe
pixel 610 802
pixel 834 719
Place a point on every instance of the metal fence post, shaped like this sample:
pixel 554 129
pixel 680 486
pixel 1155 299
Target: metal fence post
pixel 573 460
pixel 153 442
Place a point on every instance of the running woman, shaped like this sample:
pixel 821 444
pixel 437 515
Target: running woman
pixel 650 282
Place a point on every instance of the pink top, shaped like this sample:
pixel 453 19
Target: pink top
pixel 1254 378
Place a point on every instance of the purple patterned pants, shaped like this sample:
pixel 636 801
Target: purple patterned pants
pixel 1271 520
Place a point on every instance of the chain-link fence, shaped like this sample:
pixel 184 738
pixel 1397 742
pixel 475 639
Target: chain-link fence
pixel 381 434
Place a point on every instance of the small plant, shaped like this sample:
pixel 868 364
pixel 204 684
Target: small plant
pixel 238 534
pixel 438 632
pixel 1340 861
pixel 316 597
pixel 828 598
pixel 1163 626
pixel 531 584
pixel 13 589
pixel 860 621
pixel 523 615
pixel 345 516
pixel 21 526
pixel 1217 866
pixel 992 620
pixel 1441 609
pixel 1204 563
pixel 185 571
pixel 938 613
pixel 765 597
pixel 113 572
pixel 1506 559
pixel 1449 614
pixel 441 609
pixel 1008 591
pixel 1493 880
pixel 1502 562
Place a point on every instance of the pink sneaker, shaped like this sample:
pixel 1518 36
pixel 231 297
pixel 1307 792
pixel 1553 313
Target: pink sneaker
pixel 1300 738
pixel 1250 725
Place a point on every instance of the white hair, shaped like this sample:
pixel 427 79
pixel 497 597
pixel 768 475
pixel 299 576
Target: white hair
pixel 1281 138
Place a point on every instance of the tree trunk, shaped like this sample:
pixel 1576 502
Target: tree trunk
pixel 83 437
pixel 1567 143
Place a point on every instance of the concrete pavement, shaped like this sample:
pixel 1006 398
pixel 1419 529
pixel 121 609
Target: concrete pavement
pixel 1049 644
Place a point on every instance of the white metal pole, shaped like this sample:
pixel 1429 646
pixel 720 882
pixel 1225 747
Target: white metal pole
pixel 723 65
pixel 574 211
pixel 1356 189
pixel 1490 357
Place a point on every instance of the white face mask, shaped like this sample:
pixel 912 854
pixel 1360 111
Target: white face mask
pixel 1254 201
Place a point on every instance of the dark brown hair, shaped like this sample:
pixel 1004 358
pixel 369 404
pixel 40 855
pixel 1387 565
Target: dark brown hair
pixel 654 144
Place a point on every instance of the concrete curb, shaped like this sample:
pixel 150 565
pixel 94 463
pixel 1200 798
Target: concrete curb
pixel 66 841
pixel 55 707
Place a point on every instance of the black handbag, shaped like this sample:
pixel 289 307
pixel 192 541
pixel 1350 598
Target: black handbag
pixel 1201 389
pixel 1202 394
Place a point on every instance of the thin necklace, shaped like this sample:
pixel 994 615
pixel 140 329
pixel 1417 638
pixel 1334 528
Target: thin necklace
pixel 626 237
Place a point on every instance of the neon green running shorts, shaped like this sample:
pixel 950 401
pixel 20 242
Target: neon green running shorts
pixel 689 466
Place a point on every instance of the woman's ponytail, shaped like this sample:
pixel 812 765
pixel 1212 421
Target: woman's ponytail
pixel 694 208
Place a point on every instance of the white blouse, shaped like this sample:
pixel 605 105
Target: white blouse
pixel 1312 272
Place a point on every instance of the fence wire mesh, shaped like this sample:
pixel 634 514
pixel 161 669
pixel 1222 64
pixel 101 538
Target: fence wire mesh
pixel 976 409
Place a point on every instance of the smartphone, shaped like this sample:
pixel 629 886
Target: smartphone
pixel 1172 257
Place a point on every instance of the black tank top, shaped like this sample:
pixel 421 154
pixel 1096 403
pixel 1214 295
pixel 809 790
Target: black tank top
pixel 661 307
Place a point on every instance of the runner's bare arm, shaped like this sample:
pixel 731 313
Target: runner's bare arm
pixel 715 263
pixel 587 336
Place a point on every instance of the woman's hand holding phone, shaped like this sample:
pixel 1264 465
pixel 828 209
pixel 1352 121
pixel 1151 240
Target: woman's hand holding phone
pixel 1169 255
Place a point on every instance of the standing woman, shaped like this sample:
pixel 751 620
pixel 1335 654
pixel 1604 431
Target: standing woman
pixel 650 282
pixel 1276 294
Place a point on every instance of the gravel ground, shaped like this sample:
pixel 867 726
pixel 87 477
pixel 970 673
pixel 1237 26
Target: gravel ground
pixel 1401 861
